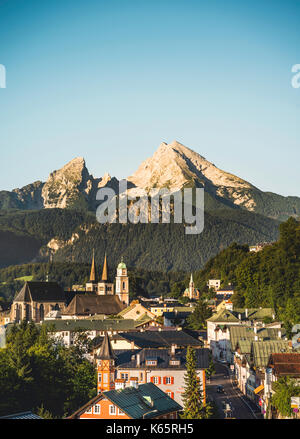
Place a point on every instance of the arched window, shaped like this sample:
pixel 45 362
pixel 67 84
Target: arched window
pixel 41 312
pixel 27 312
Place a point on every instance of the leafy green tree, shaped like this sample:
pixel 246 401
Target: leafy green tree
pixel 37 372
pixel 197 319
pixel 284 388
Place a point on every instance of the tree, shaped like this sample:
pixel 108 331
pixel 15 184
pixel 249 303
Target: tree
pixel 284 388
pixel 210 371
pixel 37 373
pixel 192 396
pixel 197 319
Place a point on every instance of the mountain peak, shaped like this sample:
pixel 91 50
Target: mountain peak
pixel 174 165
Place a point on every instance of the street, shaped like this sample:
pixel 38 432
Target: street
pixel 240 406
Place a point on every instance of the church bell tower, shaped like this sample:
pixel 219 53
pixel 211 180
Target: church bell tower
pixel 122 283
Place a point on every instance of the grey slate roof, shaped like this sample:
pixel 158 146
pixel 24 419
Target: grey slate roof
pixel 160 339
pixel 126 359
pixel 106 351
pixel 41 292
pixel 86 304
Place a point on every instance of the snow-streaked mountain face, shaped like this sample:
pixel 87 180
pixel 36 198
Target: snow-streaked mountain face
pixel 174 165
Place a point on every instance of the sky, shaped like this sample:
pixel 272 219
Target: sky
pixel 110 80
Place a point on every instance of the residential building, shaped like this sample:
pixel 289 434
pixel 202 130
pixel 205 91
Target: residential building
pixel 134 340
pixel 135 311
pixel 280 365
pixel 115 401
pixel 146 401
pixel 214 284
pixel 163 367
pixel 219 324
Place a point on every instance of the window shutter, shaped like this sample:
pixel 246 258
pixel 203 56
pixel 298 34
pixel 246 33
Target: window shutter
pixel 165 380
pixel 172 380
pixel 152 380
pixel 159 380
pixel 172 395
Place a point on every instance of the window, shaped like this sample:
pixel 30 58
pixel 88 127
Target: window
pixel 168 380
pixel 89 410
pixel 156 380
pixel 124 376
pixel 97 409
pixel 174 363
pixel 99 377
pixel 151 362
pixel 121 413
pixel 112 409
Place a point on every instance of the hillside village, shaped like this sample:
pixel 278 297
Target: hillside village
pixel 139 348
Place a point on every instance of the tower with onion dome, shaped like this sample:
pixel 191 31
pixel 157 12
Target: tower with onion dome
pixel 122 283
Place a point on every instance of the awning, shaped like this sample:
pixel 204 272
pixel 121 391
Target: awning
pixel 259 389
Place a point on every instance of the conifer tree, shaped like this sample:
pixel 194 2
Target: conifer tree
pixel 192 396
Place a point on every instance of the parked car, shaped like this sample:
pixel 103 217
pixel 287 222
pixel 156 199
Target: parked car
pixel 220 389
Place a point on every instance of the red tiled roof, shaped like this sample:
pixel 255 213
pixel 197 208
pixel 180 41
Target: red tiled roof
pixel 285 364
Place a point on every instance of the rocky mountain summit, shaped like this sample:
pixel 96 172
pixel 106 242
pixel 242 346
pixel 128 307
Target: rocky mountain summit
pixel 173 166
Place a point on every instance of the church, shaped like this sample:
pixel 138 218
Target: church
pixel 101 296
pixel 191 292
pixel 36 300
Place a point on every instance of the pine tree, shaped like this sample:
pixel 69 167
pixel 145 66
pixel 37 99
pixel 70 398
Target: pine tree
pixel 192 396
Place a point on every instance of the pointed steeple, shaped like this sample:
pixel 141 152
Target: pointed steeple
pixel 191 280
pixel 106 351
pixel 104 272
pixel 93 275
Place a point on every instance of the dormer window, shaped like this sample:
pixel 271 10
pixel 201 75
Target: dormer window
pixel 151 361
pixel 174 362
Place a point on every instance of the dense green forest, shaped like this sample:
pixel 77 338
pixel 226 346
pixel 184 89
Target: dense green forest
pixel 24 236
pixel 44 377
pixel 268 278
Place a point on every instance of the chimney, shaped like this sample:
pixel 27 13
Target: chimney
pixel 134 382
pixel 246 313
pixel 132 345
pixel 173 349
pixel 138 360
pixel 279 333
pixel 119 384
pixel 255 338
pixel 255 329
pixel 240 316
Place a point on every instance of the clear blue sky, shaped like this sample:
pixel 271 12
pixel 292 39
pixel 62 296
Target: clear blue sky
pixel 110 80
